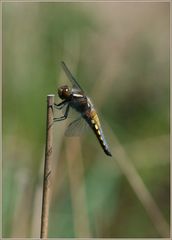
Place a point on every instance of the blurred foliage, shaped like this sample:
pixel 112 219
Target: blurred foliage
pixel 129 55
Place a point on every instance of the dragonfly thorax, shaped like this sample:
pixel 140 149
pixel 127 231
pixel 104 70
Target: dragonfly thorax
pixel 64 92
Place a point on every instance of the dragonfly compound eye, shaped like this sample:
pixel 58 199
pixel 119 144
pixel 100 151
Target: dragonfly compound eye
pixel 63 92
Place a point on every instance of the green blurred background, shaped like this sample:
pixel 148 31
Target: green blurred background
pixel 119 52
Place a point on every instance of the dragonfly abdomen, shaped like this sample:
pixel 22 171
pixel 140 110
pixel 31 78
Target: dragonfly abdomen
pixel 95 125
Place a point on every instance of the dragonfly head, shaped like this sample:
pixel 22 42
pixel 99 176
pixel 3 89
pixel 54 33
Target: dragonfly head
pixel 64 92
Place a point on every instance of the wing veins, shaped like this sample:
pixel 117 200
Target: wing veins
pixel 76 127
pixel 70 76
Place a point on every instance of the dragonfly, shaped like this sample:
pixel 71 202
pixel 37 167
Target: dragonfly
pixel 75 98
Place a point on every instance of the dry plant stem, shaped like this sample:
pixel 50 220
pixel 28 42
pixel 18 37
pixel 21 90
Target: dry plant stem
pixel 137 184
pixel 47 167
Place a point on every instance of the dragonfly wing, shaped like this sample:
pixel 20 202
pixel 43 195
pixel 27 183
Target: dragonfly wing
pixel 63 110
pixel 76 128
pixel 71 77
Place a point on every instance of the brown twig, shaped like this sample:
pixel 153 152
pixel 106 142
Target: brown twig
pixel 47 167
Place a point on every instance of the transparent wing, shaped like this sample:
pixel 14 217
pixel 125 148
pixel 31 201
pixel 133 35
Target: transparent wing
pixel 77 127
pixel 63 110
pixel 71 77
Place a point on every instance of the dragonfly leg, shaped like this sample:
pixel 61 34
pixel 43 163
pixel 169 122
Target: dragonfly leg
pixel 60 105
pixel 64 116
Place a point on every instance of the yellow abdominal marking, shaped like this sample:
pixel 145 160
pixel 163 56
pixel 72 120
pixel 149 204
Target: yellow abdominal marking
pixel 95 119
pixel 98 132
pixel 96 127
